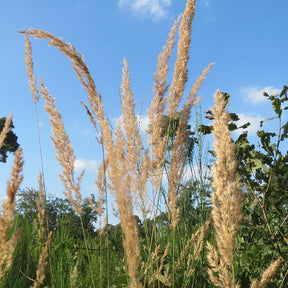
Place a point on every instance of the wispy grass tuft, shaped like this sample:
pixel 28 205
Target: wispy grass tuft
pixel 226 198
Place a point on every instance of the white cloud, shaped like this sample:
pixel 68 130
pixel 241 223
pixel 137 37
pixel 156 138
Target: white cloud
pixel 253 120
pixel 195 173
pixel 255 93
pixel 206 3
pixel 142 122
pixel 154 8
pixel 115 121
pixel 87 164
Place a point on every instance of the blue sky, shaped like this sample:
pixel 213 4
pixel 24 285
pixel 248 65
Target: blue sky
pixel 246 39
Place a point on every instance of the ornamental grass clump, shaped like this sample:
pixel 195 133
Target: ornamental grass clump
pixel 130 167
pixel 157 254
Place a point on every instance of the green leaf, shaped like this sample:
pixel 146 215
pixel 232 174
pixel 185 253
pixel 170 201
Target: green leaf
pixel 234 116
pixel 232 126
pixel 226 97
pixel 260 133
pixel 285 131
pixel 284 91
pixel 276 104
pixel 258 164
pixel 244 126
pixel 205 129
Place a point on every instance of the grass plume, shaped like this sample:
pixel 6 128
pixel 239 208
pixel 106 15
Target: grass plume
pixel 6 129
pixel 226 198
pixel 64 152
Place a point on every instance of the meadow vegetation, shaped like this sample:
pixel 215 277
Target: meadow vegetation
pixel 187 217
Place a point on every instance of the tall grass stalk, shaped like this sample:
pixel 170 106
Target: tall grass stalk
pixel 65 156
pixel 6 129
pixel 7 242
pixel 35 93
pixel 101 184
pixel 226 199
pixel 42 263
pixel 44 236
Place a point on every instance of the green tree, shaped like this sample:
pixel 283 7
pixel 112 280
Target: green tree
pixel 10 143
